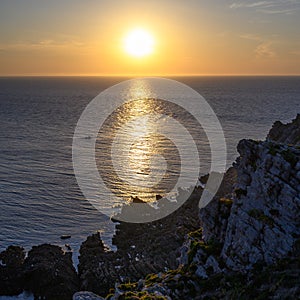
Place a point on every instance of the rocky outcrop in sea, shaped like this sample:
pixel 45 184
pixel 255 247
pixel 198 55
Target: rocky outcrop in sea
pixel 141 249
pixel 286 133
pixel 47 272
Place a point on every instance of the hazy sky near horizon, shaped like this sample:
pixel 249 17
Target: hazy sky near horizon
pixel 72 37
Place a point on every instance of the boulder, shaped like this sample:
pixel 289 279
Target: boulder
pixel 11 270
pixel 49 273
pixel 286 133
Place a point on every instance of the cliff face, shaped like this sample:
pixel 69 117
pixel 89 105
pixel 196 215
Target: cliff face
pixel 254 218
pixel 264 223
pixel 255 215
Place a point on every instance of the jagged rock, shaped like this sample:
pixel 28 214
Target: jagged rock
pixel 141 249
pixel 249 244
pixel 286 133
pixel 212 262
pixel 11 270
pixel 136 200
pixel 199 256
pixel 214 216
pixel 201 272
pixel 213 219
pixel 279 281
pixel 96 267
pixel 264 224
pixel 49 273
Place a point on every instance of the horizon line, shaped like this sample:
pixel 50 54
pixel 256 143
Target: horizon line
pixel 148 75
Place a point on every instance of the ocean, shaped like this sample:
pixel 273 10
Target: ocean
pixel 39 196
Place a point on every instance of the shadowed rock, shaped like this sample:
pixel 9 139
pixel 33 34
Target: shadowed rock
pixel 142 249
pixel 11 270
pixel 49 273
pixel 286 133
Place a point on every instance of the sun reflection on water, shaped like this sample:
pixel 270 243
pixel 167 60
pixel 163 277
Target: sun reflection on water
pixel 132 136
pixel 142 163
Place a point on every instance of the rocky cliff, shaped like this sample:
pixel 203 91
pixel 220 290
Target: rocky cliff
pixel 254 218
pixel 264 223
pixel 245 244
pixel 248 245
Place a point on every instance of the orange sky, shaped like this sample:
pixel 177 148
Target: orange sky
pixel 191 37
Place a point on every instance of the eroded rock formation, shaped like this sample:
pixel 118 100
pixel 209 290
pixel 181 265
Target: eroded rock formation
pixel 141 249
pixel 47 272
pixel 264 224
pixel 286 133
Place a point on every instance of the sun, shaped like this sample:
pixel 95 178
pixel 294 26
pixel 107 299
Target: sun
pixel 139 43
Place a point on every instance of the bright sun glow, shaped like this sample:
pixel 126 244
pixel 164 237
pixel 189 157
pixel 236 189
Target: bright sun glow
pixel 139 43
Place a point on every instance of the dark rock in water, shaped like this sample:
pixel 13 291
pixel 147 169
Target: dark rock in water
pixel 11 270
pixel 65 237
pixel 137 200
pixel 68 247
pixel 49 273
pixel 158 197
pixel 203 179
pixel 286 133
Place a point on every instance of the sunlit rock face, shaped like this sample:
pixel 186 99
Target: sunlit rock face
pixel 264 222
